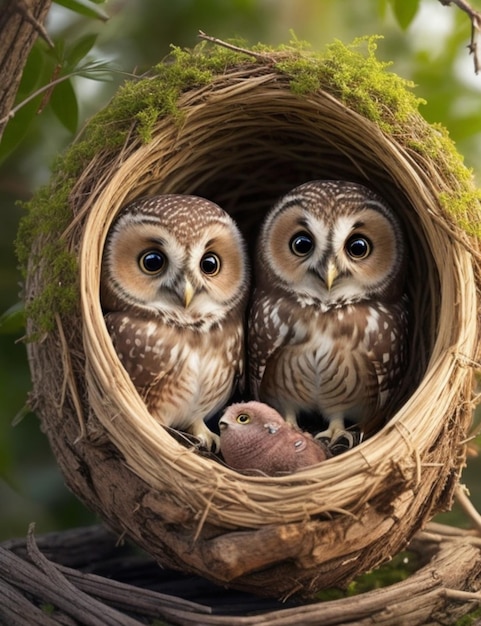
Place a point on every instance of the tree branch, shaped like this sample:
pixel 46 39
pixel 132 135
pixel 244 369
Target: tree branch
pixel 20 24
pixel 475 17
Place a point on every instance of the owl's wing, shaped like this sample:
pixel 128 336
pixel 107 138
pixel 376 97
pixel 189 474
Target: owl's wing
pixel 235 351
pixel 271 326
pixel 388 353
pixel 147 355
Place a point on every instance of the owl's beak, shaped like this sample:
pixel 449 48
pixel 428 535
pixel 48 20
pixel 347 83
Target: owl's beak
pixel 331 275
pixel 188 293
pixel 222 425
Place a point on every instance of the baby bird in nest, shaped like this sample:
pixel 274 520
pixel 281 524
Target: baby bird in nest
pixel 255 439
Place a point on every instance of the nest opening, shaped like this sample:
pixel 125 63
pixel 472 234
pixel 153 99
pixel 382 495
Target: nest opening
pixel 243 141
pixel 246 162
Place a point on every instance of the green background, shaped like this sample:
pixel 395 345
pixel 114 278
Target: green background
pixel 426 42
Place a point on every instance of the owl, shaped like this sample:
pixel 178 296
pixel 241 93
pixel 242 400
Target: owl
pixel 254 438
pixel 328 322
pixel 174 284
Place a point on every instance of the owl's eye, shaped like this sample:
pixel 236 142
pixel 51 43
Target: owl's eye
pixel 358 247
pixel 210 264
pixel 243 418
pixel 152 262
pixel 301 244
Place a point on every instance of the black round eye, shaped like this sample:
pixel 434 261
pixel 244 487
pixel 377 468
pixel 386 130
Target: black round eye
pixel 152 261
pixel 210 264
pixel 301 244
pixel 358 247
pixel 243 418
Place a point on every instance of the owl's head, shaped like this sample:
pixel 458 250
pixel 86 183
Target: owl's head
pixel 333 242
pixel 255 418
pixel 176 256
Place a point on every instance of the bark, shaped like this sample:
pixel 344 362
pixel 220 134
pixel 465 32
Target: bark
pixel 21 22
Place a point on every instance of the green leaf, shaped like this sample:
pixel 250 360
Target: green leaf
pixel 64 104
pixel 80 48
pixel 32 72
pixel 96 70
pixel 405 11
pixel 18 128
pixel 13 320
pixel 84 8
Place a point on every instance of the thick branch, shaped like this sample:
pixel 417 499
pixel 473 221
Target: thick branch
pixel 21 22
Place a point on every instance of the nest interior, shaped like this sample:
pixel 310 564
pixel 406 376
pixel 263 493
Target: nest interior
pixel 242 129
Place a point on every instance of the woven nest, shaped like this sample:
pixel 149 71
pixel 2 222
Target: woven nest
pixel 242 128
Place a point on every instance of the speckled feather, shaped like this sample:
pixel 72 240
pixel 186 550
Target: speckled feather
pixel 184 359
pixel 255 439
pixel 339 351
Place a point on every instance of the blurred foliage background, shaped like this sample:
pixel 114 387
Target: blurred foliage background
pixel 99 44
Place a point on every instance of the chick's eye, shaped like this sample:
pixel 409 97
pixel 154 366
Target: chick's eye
pixel 243 418
pixel 210 264
pixel 358 247
pixel 301 244
pixel 152 261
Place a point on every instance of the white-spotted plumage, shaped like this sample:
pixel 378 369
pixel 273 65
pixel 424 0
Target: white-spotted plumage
pixel 173 290
pixel 329 315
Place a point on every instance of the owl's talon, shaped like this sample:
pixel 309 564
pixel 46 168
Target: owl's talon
pixel 207 439
pixel 340 440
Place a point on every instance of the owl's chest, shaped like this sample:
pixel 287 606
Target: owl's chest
pixel 322 344
pixel 153 353
pixel 347 327
pixel 201 377
pixel 201 358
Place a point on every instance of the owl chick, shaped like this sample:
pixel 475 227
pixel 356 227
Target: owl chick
pixel 255 438
pixel 174 285
pixel 329 314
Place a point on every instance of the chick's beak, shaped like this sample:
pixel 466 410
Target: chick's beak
pixel 331 275
pixel 188 293
pixel 222 425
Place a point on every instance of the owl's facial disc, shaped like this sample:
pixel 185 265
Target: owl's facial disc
pixel 335 254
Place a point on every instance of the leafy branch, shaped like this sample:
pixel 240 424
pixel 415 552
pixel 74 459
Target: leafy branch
pixel 95 70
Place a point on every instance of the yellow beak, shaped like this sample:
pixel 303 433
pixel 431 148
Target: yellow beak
pixel 188 293
pixel 331 275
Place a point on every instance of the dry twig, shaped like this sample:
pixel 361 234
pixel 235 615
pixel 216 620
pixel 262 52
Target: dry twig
pixel 475 17
pixel 22 7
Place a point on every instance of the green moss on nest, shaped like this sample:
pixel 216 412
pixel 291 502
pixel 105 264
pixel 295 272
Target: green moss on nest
pixel 49 213
pixel 358 79
pixel 461 205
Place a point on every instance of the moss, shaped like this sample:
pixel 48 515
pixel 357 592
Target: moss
pixel 357 78
pixel 463 205
pixel 49 213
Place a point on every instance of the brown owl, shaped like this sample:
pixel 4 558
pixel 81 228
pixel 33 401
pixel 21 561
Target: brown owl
pixel 173 289
pixel 254 438
pixel 329 315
